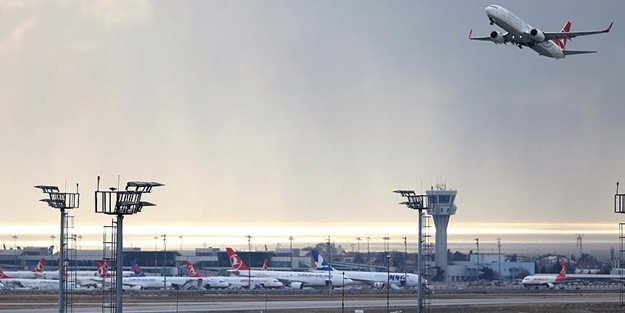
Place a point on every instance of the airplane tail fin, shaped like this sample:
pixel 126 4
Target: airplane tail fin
pixel 3 275
pixel 562 42
pixel 103 269
pixel 191 270
pixel 562 274
pixel 136 269
pixel 235 261
pixel 320 263
pixel 51 250
pixel 266 264
pixel 39 267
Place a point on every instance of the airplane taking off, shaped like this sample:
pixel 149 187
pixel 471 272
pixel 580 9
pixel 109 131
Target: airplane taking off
pixel 520 33
pixel 548 281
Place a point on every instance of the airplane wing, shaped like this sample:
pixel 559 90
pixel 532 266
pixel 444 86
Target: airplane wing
pixel 570 35
pixel 500 38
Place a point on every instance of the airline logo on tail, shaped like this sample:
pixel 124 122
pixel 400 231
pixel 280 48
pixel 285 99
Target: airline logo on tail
pixel 136 269
pixel 103 269
pixel 236 261
pixel 562 42
pixel 320 263
pixel 192 271
pixel 3 275
pixel 562 274
pixel 39 267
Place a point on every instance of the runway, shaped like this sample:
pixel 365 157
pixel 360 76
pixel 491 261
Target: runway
pixel 321 304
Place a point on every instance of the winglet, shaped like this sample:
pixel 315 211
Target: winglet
pixel 470 33
pixel 607 30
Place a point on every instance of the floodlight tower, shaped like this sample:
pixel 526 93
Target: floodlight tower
pixel 416 202
pixel 62 201
pixel 121 203
pixel 441 206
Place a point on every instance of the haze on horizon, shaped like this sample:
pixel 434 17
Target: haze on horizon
pixel 300 112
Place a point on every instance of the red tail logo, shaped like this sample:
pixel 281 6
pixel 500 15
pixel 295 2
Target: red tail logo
pixel 236 261
pixel 266 264
pixel 191 270
pixel 39 267
pixel 562 42
pixel 3 275
pixel 562 274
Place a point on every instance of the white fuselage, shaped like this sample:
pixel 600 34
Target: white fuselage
pixel 519 30
pixel 538 280
pixel 399 279
pixel 309 279
pixel 31 283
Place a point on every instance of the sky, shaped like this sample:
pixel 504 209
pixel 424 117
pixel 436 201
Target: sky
pixel 308 114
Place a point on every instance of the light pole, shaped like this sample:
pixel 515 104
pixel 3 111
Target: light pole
pixel 155 254
pixel 477 273
pixel 358 251
pixel 62 201
pixel 343 296
pixel 499 255
pixel 291 247
pixel 386 246
pixel 15 248
pixel 79 242
pixel 329 267
pixel 417 202
pixel 388 281
pixel 52 238
pixel 249 261
pixel 368 254
pixel 405 256
pixel 164 261
pixel 180 242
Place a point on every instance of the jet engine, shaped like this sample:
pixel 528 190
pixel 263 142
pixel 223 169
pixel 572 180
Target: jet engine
pixel 297 285
pixel 550 285
pixel 537 35
pixel 378 284
pixel 497 37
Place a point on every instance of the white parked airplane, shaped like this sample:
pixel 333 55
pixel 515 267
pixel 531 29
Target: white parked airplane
pixel 238 282
pixel 548 281
pixel 29 283
pixel 520 33
pixel 296 280
pixel 374 279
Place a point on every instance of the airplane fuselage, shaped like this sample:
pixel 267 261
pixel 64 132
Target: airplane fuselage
pixel 519 29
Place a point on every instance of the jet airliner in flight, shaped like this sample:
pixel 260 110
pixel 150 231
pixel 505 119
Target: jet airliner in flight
pixel 522 34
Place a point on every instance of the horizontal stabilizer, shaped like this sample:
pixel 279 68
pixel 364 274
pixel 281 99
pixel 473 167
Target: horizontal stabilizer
pixel 572 52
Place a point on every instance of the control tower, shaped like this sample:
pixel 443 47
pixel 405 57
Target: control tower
pixel 441 206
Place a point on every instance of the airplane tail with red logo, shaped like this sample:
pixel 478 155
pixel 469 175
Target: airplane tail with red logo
pixel 266 265
pixel 562 42
pixel 103 269
pixel 562 274
pixel 192 271
pixel 39 267
pixel 235 261
pixel 3 275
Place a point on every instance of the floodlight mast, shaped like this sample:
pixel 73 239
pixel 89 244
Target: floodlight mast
pixel 121 203
pixel 62 201
pixel 416 202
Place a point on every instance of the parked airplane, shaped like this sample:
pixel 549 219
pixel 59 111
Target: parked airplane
pixel 548 281
pixel 28 283
pixel 520 33
pixel 97 273
pixel 34 273
pixel 141 281
pixel 293 279
pixel 374 279
pixel 238 282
